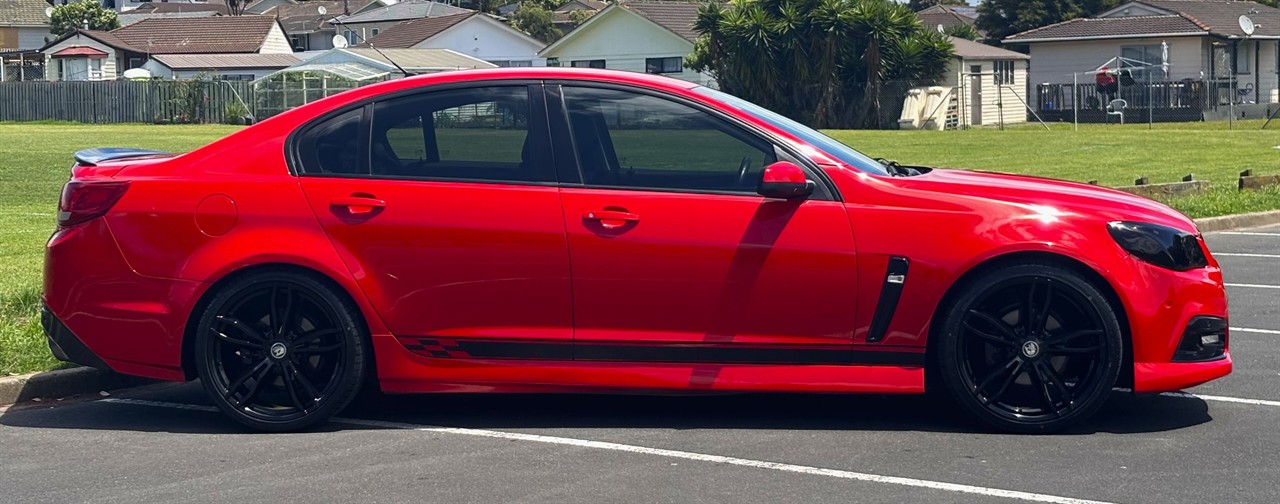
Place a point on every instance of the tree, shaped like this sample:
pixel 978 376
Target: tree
pixel 535 20
pixel 964 31
pixel 824 62
pixel 1001 18
pixel 919 5
pixel 84 14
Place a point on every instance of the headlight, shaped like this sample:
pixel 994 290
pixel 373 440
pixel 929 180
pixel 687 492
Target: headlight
pixel 1159 245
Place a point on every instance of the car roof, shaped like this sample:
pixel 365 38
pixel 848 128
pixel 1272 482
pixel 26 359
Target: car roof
pixel 587 74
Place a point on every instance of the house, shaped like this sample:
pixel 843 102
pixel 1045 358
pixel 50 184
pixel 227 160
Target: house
pixel 990 84
pixel 96 55
pixel 262 6
pixel 309 24
pixel 947 16
pixel 134 16
pixel 1177 60
pixel 471 33
pixel 163 6
pixel 23 24
pixel 243 67
pixel 569 15
pixel 639 36
pixel 362 63
pixel 360 27
pixel 23 28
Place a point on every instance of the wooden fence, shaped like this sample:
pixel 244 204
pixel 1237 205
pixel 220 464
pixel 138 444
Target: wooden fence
pixel 126 101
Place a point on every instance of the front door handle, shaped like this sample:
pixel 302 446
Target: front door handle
pixel 611 219
pixel 358 205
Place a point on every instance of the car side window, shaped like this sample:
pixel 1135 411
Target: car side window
pixel 634 140
pixel 482 134
pixel 332 146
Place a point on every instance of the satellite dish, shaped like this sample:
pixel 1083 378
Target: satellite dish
pixel 48 12
pixel 942 29
pixel 1246 25
pixel 322 10
pixel 339 41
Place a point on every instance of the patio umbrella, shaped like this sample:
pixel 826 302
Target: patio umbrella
pixel 1164 58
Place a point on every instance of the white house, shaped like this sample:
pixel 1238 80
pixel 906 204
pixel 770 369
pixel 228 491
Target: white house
pixel 1194 52
pixel 363 25
pixel 95 55
pixel 640 36
pixel 474 34
pixel 990 84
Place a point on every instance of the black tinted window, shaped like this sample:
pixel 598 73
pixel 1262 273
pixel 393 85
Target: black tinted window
pixel 332 145
pixel 469 134
pixel 636 140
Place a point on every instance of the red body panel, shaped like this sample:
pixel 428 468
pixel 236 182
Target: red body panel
pixel 531 263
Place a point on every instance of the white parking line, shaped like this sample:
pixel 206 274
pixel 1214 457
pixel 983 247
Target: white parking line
pixel 701 457
pixel 1250 330
pixel 1246 233
pixel 1237 400
pixel 1254 286
pixel 1262 256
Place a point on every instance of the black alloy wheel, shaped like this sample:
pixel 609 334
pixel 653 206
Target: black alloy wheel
pixel 280 351
pixel 1032 347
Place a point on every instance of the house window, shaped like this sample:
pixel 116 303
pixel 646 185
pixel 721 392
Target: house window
pixel 300 42
pixel 351 37
pixel 134 63
pixel 1004 73
pixel 588 63
pixel 373 32
pixel 236 77
pixel 1242 58
pixel 553 62
pixel 95 69
pixel 1141 55
pixel 663 65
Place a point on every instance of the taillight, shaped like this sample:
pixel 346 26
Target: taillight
pixel 87 200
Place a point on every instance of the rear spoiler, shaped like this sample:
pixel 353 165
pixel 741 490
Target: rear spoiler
pixel 91 157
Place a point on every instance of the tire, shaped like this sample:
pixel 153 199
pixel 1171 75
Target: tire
pixel 1041 376
pixel 281 351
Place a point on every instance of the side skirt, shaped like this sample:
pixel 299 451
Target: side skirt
pixel 432 364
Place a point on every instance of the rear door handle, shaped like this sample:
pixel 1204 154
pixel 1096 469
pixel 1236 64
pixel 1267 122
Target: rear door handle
pixel 358 205
pixel 611 219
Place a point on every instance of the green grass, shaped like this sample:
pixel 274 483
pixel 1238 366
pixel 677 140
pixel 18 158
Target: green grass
pixel 36 158
pixel 1111 154
pixel 35 163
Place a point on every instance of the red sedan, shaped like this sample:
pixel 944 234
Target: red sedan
pixel 533 230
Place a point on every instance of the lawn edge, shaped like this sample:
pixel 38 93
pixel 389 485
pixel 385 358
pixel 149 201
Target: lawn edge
pixel 63 383
pixel 1238 221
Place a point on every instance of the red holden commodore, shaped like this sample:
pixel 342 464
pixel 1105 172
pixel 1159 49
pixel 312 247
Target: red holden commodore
pixel 538 230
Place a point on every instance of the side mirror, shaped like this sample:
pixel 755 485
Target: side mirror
pixel 784 180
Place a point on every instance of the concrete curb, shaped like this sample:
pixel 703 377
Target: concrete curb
pixel 63 383
pixel 1238 221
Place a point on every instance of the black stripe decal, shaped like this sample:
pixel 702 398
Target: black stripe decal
pixel 669 353
pixel 895 276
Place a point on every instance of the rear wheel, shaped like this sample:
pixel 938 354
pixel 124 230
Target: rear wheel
pixel 280 351
pixel 1030 347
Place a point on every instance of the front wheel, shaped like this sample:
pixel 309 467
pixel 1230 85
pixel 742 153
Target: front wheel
pixel 1031 347
pixel 280 351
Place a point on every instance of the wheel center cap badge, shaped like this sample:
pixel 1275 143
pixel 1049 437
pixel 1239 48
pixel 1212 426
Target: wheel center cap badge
pixel 1030 349
pixel 278 350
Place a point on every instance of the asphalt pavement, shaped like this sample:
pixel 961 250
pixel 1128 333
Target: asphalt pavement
pixel 165 443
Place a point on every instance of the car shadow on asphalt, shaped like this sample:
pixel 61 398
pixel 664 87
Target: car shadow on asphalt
pixel 1125 413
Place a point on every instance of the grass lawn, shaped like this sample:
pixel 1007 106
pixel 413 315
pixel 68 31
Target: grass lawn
pixel 36 158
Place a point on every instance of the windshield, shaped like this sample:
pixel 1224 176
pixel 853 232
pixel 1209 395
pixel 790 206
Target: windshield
pixel 811 136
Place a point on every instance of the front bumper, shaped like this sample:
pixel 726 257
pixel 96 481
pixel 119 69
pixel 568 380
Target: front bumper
pixel 1170 376
pixel 64 344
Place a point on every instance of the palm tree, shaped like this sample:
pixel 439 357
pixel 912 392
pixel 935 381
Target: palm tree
pixel 880 24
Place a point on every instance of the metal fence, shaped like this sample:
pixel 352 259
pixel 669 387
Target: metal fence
pixel 1148 95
